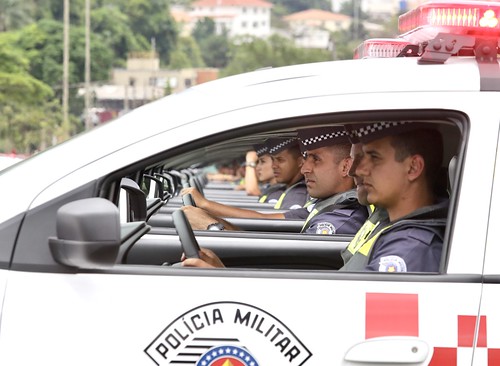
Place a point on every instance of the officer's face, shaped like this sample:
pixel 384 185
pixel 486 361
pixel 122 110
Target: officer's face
pixel 357 156
pixel 384 178
pixel 324 171
pixel 286 166
pixel 264 168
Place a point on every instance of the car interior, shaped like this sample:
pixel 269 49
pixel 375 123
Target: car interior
pixel 147 194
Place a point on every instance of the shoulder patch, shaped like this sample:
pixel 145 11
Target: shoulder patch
pixel 392 263
pixel 325 228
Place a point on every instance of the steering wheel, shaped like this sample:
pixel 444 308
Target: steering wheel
pixel 187 200
pixel 188 241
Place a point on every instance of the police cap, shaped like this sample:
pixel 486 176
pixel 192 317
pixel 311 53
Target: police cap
pixel 277 145
pixel 316 137
pixel 369 132
pixel 261 149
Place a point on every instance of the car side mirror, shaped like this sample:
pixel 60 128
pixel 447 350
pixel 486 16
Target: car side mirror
pixel 88 234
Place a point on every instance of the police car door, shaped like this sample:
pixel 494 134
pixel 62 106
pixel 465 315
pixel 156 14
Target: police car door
pixel 487 340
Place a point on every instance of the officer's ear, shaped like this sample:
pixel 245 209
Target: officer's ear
pixel 416 166
pixel 300 160
pixel 346 165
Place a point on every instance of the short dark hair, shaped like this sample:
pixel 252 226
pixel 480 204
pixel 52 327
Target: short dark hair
pixel 342 150
pixel 294 150
pixel 426 142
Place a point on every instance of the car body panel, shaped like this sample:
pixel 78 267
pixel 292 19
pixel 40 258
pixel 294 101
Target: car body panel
pixel 126 313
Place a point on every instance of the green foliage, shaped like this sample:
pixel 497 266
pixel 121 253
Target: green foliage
pixel 186 54
pixel 274 52
pixel 14 14
pixel 293 6
pixel 27 128
pixel 117 34
pixel 152 19
pixel 43 41
pixel 28 112
pixel 215 48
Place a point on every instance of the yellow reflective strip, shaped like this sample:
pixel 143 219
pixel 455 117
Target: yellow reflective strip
pixel 277 206
pixel 365 249
pixel 361 236
pixel 263 199
pixel 311 215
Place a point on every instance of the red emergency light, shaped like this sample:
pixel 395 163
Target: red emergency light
pixel 467 17
pixel 380 47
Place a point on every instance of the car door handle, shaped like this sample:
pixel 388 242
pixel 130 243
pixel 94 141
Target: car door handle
pixel 408 351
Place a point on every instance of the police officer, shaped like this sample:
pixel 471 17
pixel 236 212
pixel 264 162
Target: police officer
pixel 399 165
pixel 270 189
pixel 287 162
pixel 335 209
pixel 378 216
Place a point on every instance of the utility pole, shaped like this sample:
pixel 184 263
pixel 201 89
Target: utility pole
pixel 88 120
pixel 65 69
pixel 355 4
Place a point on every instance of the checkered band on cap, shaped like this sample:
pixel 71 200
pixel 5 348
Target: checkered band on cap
pixel 373 131
pixel 351 133
pixel 314 138
pixel 376 127
pixel 277 145
pixel 261 149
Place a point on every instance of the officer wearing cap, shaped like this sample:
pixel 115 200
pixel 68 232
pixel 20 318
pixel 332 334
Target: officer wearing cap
pixel 270 189
pixel 400 162
pixel 378 216
pixel 326 166
pixel 287 162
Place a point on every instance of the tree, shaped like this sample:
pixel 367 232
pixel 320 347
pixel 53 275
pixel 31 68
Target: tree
pixel 152 19
pixel 293 6
pixel 274 52
pixel 43 42
pixel 186 54
pixel 215 48
pixel 14 14
pixel 117 33
pixel 29 114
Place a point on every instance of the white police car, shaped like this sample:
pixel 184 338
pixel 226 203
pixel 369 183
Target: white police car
pixel 84 282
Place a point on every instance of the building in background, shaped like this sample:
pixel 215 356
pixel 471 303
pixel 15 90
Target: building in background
pixel 237 17
pixel 141 82
pixel 312 28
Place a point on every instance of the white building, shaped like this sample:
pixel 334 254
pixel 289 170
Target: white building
pixel 237 17
pixel 311 28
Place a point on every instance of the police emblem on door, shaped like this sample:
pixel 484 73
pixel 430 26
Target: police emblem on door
pixel 227 334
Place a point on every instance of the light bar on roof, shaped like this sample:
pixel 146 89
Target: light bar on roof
pixel 380 47
pixel 465 17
